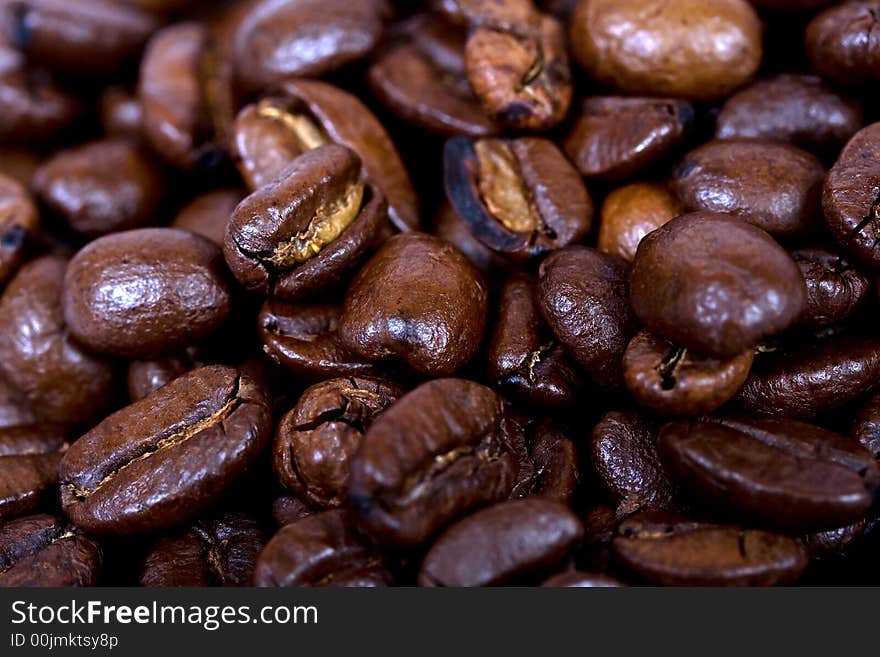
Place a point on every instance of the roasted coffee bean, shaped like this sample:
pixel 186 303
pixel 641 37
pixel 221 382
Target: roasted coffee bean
pixel 842 45
pixel 317 439
pixel 422 79
pixel 288 509
pixel 600 523
pixel 698 49
pixel 276 41
pixel 19 163
pixel 519 197
pixel 19 221
pixel 442 450
pixel 301 233
pixel 675 381
pixel 26 482
pixel 23 439
pixel 581 580
pixel 795 109
pixel 616 137
pixel 865 426
pixel 88 36
pixel 624 454
pixel 147 376
pixel 851 197
pixel 121 114
pixel 220 551
pixel 101 187
pixel 145 292
pixel 834 542
pixel 631 212
pixel 60 381
pixel 554 458
pixel 773 186
pixel 449 226
pixel 583 296
pixel 804 381
pixel 14 410
pixel 303 339
pixel 715 284
pixel 41 551
pixel 417 299
pixel 835 288
pixel 776 472
pixel 675 551
pixel 207 215
pixel 323 549
pixel 166 458
pixel 502 544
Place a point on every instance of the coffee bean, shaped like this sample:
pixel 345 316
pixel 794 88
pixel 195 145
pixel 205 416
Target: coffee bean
pixel 26 439
pixel 715 284
pixel 147 376
pixel 581 580
pixel 835 288
pixel 442 450
pixel 631 212
pixel 207 215
pixel 865 426
pixel 554 458
pixel 14 411
pixel 168 457
pixel 834 543
pixel 288 509
pixel 19 163
pixel 19 221
pixel 841 45
pixel 27 481
pixel 449 226
pixel 121 114
pixel 501 544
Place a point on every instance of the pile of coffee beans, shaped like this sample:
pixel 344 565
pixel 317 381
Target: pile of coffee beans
pixel 439 292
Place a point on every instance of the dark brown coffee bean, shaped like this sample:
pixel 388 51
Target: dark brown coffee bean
pixel 88 36
pixel 851 197
pixel 616 137
pixel 101 187
pixel 583 296
pixel 865 426
pixel 442 450
pixel 807 380
pixel 449 226
pixel 121 114
pixel 320 550
pixel 208 214
pixel 779 473
pixel 835 288
pixel 422 79
pixel 316 440
pixel 600 523
pixel 145 292
pixel 554 458
pixel 581 580
pixel 673 551
pixel 842 43
pixel 631 212
pixel 698 49
pixel 276 41
pixel 163 460
pixel 715 284
pixel 502 544
pixel 288 509
pixel 19 163
pixel 519 197
pixel 26 482
pixel 834 543
pixel 22 439
pixel 420 300
pixel 624 454
pixel 14 410
pixel 147 376
pixel 41 551
pixel 60 381
pixel 795 109
pixel 773 186
pixel 674 381
pixel 301 233
pixel 219 551
pixel 19 221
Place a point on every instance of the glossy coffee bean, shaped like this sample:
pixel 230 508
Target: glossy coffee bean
pixel 27 481
pixel 316 440
pixel 19 221
pixel 417 299
pixel 145 292
pixel 804 381
pixel 715 284
pixel 865 426
pixel 14 410
pixel 555 462
pixel 699 49
pixel 60 381
pixel 631 212
pixel 442 450
pixel 623 452
pixel 851 200
pixel 121 114
pixel 448 225
pixel 41 551
pixel 835 288
pixel 287 509
pixel 323 549
pixel 208 214
pixel 23 439
pixel 675 381
pixel 166 458
pixel 501 544
pixel 101 187
pixel 219 551
pixel 674 551
pixel 795 109
pixel 276 41
pixel 301 233
pixel 146 376
pixel 778 473
pixel 834 543
pixel 616 137
pixel 581 580
pixel 583 297
pixel 525 360
pixel 519 197
pixel 841 43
